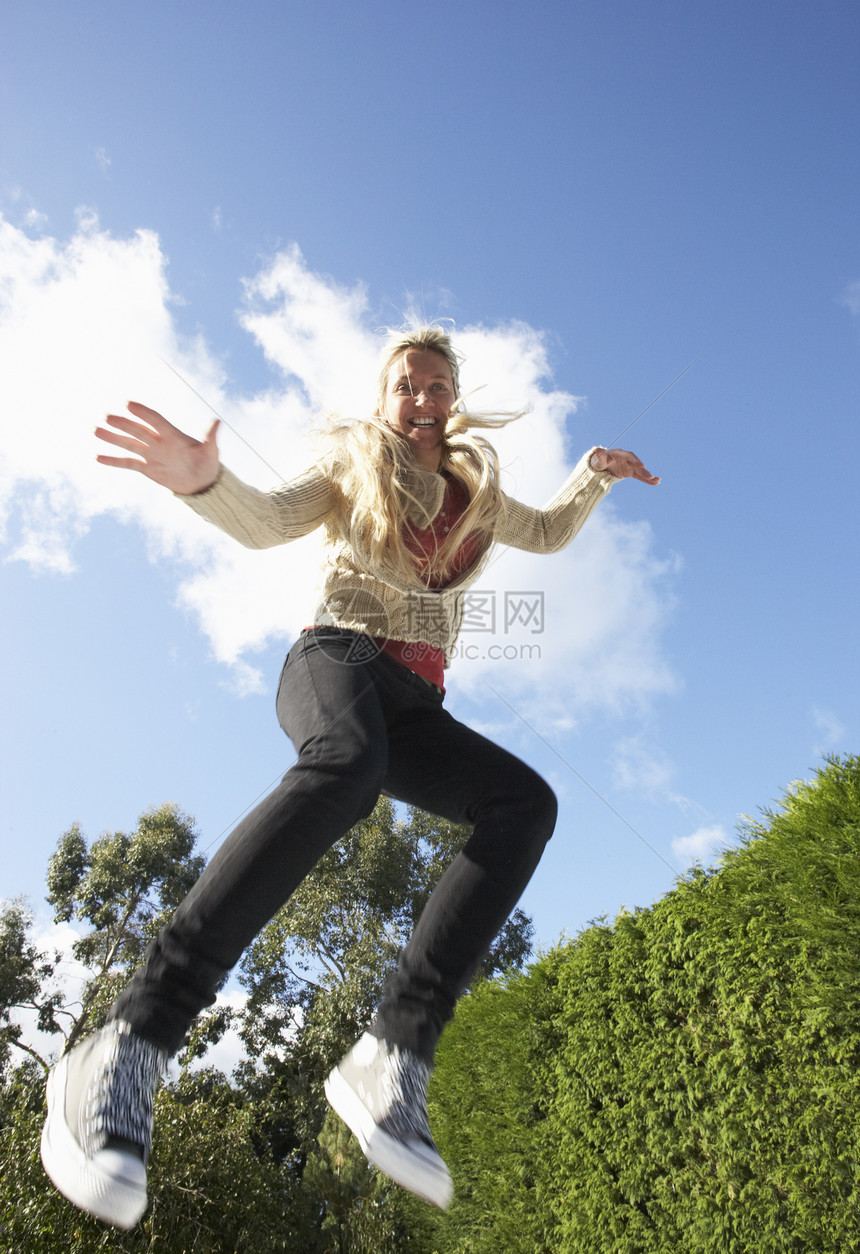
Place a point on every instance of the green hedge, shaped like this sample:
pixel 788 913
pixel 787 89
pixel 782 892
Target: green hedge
pixel 684 1080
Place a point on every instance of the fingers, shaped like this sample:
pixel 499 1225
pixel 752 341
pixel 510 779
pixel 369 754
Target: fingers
pixel 124 463
pixel 152 416
pixel 161 451
pixel 130 442
pixel 643 475
pixel 135 438
pixel 626 465
pixel 639 472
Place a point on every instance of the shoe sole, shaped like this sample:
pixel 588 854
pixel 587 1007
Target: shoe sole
pixel 401 1164
pixel 78 1177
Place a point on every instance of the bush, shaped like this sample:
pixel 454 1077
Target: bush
pixel 684 1079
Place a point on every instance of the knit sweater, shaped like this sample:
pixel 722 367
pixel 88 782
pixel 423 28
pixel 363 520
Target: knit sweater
pixel 376 600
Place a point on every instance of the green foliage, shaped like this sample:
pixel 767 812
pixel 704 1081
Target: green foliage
pixel 255 1165
pixel 26 982
pixel 364 1212
pixel 124 887
pixel 33 1216
pixel 212 1191
pixel 488 1121
pixel 686 1079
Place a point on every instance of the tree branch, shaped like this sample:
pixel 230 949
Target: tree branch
pixel 33 1054
pixel 304 979
pixel 328 959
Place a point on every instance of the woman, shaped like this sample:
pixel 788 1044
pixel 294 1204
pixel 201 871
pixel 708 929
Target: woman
pixel 410 504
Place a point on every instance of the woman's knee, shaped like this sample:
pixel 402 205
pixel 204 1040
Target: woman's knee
pixel 522 809
pixel 540 804
pixel 546 805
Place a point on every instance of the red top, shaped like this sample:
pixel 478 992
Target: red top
pixel 418 656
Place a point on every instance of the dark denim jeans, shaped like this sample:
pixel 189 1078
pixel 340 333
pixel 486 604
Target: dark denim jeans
pixel 361 724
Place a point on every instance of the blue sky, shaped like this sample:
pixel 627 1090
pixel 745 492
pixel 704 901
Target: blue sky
pixel 596 195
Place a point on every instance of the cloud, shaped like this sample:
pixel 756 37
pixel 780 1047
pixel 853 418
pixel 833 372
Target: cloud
pixel 850 297
pixel 89 322
pixel 645 769
pixel 311 330
pixel 102 160
pixel 827 722
pixel 703 846
pixel 642 769
pixel 21 204
pixel 35 220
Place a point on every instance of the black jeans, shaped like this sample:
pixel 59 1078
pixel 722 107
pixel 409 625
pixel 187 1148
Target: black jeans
pixel 360 723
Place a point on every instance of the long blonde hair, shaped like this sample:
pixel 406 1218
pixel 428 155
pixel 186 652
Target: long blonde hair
pixel 382 486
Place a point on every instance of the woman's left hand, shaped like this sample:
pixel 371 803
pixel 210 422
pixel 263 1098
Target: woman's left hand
pixel 622 464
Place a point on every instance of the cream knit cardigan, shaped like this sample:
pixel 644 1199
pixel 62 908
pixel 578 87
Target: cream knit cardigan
pixel 376 600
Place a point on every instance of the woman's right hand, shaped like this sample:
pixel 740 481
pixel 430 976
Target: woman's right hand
pixel 163 453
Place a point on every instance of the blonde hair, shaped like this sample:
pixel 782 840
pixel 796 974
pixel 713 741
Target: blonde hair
pixel 377 475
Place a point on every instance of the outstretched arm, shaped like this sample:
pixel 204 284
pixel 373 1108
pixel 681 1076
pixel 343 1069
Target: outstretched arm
pixel 162 452
pixel 191 467
pixel 549 529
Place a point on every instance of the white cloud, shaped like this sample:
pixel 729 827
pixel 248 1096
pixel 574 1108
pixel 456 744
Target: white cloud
pixel 851 297
pixel 15 197
pixel 102 160
pixel 640 768
pixel 703 846
pixel 35 220
pixel 643 768
pixel 833 730
pixel 310 329
pixel 89 323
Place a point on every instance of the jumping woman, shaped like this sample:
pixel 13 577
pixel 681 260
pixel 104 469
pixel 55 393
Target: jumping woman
pixel 410 505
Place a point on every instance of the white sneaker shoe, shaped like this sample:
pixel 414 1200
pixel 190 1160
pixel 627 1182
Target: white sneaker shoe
pixel 380 1092
pixel 98 1131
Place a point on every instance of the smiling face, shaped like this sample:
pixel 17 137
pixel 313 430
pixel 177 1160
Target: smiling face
pixel 419 395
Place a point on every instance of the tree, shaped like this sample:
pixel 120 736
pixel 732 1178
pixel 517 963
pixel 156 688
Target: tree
pixel 252 1165
pixel 211 1189
pixel 124 887
pixel 26 983
pixel 213 1183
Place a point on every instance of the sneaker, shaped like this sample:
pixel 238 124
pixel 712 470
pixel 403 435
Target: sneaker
pixel 98 1131
pixel 380 1092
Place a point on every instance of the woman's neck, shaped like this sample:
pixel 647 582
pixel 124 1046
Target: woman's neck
pixel 429 459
